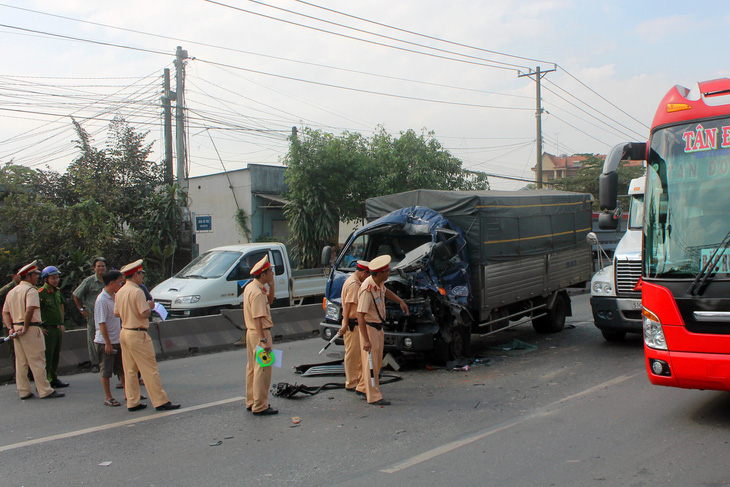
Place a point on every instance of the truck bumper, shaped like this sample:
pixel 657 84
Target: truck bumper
pixel 689 370
pixel 404 342
pixel 617 314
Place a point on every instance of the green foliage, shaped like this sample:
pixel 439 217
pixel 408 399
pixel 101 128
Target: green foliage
pixel 586 180
pixel 243 224
pixel 329 178
pixel 110 202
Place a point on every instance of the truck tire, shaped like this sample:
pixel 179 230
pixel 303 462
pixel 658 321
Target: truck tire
pixel 554 320
pixel 613 336
pixel 458 347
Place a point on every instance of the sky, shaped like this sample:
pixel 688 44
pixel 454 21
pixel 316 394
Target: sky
pixel 258 68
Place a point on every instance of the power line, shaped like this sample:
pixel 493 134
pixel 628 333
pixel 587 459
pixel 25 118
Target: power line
pixel 357 38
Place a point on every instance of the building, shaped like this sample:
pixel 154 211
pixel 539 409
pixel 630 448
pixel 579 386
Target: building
pixel 559 167
pixel 254 192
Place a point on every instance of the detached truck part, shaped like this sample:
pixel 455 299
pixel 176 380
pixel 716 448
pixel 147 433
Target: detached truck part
pixel 469 262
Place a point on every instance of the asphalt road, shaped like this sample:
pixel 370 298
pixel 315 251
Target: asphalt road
pixel 575 411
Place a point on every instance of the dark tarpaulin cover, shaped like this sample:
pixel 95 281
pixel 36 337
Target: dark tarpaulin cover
pixel 502 225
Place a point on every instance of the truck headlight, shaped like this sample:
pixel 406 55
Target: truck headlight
pixel 600 287
pixel 332 311
pixel 653 331
pixel 187 299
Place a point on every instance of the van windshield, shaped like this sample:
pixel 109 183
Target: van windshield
pixel 209 265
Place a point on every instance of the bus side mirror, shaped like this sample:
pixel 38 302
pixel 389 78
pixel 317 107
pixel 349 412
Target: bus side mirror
pixel 608 190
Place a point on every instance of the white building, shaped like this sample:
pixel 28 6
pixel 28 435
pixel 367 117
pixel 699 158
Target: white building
pixel 215 199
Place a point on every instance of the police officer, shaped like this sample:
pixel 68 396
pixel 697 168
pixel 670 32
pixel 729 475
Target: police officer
pixel 350 292
pixel 52 315
pixel 370 318
pixel 257 315
pixel 21 315
pixel 138 353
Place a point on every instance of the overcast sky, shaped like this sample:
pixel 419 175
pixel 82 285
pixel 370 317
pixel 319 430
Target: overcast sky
pixel 253 76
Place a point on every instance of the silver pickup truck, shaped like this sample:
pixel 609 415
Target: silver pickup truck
pixel 215 280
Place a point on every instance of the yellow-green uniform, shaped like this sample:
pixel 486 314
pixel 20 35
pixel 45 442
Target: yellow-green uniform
pixel 51 304
pixel 371 301
pixel 258 379
pixel 353 362
pixel 30 348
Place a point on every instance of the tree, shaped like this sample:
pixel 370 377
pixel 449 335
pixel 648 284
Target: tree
pixel 329 178
pixel 586 180
pixel 110 202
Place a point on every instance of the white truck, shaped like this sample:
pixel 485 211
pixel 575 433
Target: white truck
pixel 615 302
pixel 216 278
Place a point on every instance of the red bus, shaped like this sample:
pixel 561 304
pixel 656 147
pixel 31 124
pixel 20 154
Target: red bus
pixel 685 279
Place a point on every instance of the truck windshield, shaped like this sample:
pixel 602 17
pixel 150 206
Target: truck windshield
pixel 385 241
pixel 636 211
pixel 209 265
pixel 687 199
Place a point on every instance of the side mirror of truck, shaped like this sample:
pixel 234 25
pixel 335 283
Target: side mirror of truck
pixel 592 238
pixel 326 256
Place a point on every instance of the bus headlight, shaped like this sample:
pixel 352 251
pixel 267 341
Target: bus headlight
pixel 653 331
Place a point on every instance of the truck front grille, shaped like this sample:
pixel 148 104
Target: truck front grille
pixel 164 302
pixel 628 273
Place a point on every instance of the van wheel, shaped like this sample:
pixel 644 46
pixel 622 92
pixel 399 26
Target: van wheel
pixel 554 320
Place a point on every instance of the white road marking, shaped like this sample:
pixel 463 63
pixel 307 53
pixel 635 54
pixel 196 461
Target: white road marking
pixel 448 447
pixel 70 434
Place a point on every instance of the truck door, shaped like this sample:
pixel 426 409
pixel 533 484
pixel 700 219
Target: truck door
pixel 280 276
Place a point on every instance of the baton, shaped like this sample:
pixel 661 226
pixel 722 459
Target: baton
pixel 10 337
pixel 329 343
pixel 372 371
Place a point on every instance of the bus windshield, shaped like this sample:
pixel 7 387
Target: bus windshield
pixel 687 207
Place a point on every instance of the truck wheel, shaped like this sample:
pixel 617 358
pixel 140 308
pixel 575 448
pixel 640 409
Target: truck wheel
pixel 554 320
pixel 458 347
pixel 613 336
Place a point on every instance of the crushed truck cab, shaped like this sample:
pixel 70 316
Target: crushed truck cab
pixel 469 262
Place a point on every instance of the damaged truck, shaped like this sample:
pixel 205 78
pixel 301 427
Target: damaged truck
pixel 468 262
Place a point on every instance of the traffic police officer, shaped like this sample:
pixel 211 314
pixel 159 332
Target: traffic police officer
pixel 350 292
pixel 257 315
pixel 21 315
pixel 138 353
pixel 370 318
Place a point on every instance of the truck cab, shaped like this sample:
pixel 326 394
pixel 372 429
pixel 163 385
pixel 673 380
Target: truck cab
pixel 615 301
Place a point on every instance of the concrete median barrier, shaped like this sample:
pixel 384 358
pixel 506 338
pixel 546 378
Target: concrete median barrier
pixel 185 336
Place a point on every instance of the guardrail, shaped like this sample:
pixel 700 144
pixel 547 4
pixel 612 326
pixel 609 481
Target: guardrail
pixel 186 336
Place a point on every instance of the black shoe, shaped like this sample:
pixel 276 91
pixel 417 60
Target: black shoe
pixel 54 395
pixel 168 406
pixel 31 395
pixel 95 369
pixel 56 384
pixel 361 393
pixel 382 402
pixel 266 412
pixel 137 407
pixel 248 408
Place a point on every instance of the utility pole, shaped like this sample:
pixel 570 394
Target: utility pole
pixel 167 97
pixel 180 56
pixel 538 115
